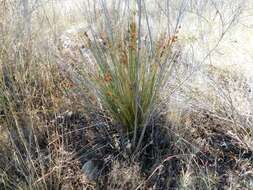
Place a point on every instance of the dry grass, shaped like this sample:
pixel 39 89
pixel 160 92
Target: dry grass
pixel 61 107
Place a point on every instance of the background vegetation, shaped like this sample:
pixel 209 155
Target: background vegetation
pixel 124 95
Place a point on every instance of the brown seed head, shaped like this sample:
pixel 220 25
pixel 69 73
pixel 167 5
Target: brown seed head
pixel 108 77
pixel 133 35
pixel 123 57
pixel 109 93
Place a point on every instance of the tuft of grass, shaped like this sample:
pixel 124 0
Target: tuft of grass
pixel 130 72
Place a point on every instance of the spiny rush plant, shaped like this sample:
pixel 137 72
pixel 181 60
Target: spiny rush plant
pixel 130 72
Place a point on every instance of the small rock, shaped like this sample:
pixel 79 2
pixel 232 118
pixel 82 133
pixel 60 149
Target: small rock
pixel 92 169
